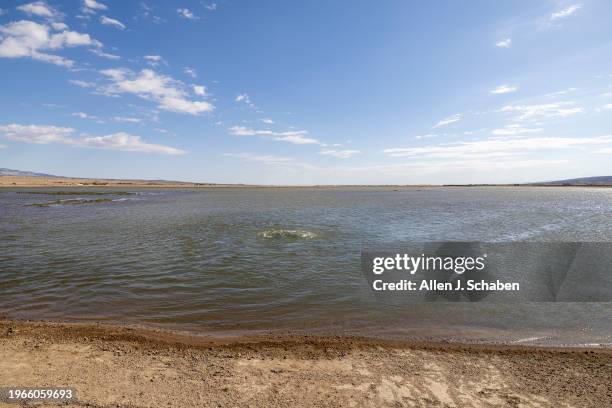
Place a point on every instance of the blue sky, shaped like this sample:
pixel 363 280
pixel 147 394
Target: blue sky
pixel 288 92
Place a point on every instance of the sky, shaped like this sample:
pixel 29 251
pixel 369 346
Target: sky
pixel 307 92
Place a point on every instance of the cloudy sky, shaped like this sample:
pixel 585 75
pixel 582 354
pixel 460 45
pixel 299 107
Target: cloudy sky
pixel 307 92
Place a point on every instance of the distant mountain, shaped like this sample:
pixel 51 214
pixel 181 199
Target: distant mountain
pixel 584 181
pixel 11 172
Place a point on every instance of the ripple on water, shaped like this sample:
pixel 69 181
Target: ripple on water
pixel 287 233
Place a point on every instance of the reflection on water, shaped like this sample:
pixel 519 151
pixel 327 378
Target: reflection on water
pixel 257 259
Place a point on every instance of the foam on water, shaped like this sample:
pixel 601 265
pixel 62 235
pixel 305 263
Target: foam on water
pixel 287 233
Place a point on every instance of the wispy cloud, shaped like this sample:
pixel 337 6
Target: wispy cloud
pixel 514 129
pixel 504 89
pixel 112 22
pixel 506 43
pixel 339 154
pixel 83 115
pixel 186 13
pixel 566 12
pixel 102 54
pixel 267 121
pixel 126 119
pixel 154 60
pixel 82 84
pixel 292 136
pixel 543 111
pixel 28 39
pixel 426 136
pixel 44 134
pixel 168 93
pixel 490 148
pixel 448 120
pixel 126 142
pixel 190 71
pixel 211 7
pixel 244 98
pixel 262 158
pixel 272 160
pixel 147 13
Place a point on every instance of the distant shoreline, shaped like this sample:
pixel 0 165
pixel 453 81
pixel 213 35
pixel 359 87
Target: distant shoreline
pixel 38 181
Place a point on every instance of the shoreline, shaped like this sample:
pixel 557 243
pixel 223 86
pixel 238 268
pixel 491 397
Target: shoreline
pixel 114 365
pixel 152 334
pixel 71 182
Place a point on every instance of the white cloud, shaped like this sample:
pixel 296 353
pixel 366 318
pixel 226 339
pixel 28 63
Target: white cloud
pixel 91 6
pixel 448 120
pixel 190 71
pixel 27 39
pixel 82 84
pixel 59 26
pixel 36 134
pixel 3 12
pixel 340 154
pixel 38 8
pixel 83 115
pixel 262 158
pixel 211 7
pixel 186 13
pixel 559 93
pixel 125 119
pixel 103 54
pixel 199 90
pixel 244 98
pixel 267 121
pixel 169 93
pixel 126 142
pixel 566 12
pixel 155 60
pixel 427 136
pixel 506 43
pixel 607 106
pixel 543 111
pixel 511 130
pixel 504 89
pixel 112 22
pixel 294 136
pixel 490 148
pixel 52 134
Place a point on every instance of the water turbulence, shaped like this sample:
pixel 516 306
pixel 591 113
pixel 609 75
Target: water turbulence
pixel 287 233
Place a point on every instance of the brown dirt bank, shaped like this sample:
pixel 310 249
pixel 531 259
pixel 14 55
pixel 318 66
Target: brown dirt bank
pixel 114 366
pixel 36 181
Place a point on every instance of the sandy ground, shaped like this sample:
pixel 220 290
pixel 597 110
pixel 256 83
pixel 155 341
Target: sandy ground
pixel 32 181
pixel 36 181
pixel 111 366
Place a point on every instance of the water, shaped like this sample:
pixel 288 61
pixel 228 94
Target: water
pixel 242 260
